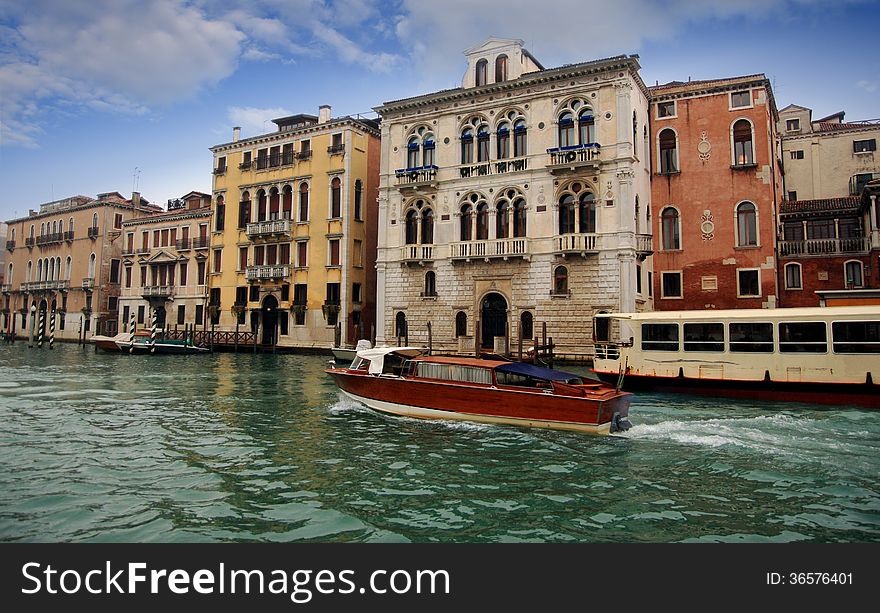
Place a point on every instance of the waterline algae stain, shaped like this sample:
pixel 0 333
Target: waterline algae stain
pixel 103 447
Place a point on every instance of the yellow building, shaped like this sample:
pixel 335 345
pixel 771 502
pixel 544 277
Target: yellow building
pixel 293 236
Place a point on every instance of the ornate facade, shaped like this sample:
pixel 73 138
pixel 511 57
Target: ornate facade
pixel 518 199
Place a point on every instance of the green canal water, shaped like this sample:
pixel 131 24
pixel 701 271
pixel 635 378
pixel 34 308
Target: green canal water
pixel 108 447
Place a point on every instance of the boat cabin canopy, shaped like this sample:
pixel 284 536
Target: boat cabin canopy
pixel 376 357
pixel 537 372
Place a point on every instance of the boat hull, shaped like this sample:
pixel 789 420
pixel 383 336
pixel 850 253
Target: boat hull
pixel 840 394
pixel 436 400
pixel 161 348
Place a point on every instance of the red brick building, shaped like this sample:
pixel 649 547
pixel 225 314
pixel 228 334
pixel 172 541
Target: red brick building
pixel 715 185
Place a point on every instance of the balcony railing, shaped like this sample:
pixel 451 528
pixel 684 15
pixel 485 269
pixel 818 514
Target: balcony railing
pixel 183 244
pixel 220 170
pixel 574 156
pixel 142 250
pixel 48 239
pixel 481 169
pixel 267 273
pixel 201 242
pixel 824 246
pixel 68 236
pixel 485 249
pixel 417 253
pixel 158 291
pixel 336 149
pixel 304 155
pixel 37 286
pixel 29 242
pixel 88 283
pixel 93 232
pixel 268 228
pixel 10 245
pixel 577 243
pixel 245 165
pixel 644 243
pixel 6 288
pixel 415 176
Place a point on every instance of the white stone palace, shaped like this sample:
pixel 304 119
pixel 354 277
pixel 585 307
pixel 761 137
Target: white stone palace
pixel 519 198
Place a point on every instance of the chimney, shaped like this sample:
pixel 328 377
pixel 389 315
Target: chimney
pixel 236 134
pixel 136 198
pixel 324 113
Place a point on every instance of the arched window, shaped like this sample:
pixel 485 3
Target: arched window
pixel 503 140
pixel 519 217
pixel 54 227
pixel 358 200
pixel 12 236
pixel 42 230
pixel 566 214
pixel 467 146
pixel 244 210
pixel 427 226
pixel 587 213
pixel 670 228
pixel 746 225
pixel 30 268
pixel 9 273
pixel 70 225
pixel 39 270
pixel 412 152
pixel 793 278
pixel 465 221
pixel 586 126
pixel 481 72
pixel 526 325
pixel 287 202
pixel 336 198
pixel 261 205
pixel 560 281
pixel 92 266
pixel 412 227
pixel 482 143
pixel 460 324
pixel 519 138
pixel 668 151
pixel 51 275
pixel 430 283
pixel 502 220
pixel 220 215
pixel 274 203
pixel 67 268
pixel 501 68
pixel 400 324
pixel 743 150
pixel 95 220
pixel 482 221
pixel 32 232
pixel 853 273
pixel 303 201
pixel 566 129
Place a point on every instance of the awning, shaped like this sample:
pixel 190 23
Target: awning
pixel 538 372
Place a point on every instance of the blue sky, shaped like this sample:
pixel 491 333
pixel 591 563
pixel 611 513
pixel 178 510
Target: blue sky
pixel 117 95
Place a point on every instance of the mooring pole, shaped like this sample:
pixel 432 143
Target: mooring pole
pixel 430 340
pixel 153 332
pixel 52 331
pixel 40 331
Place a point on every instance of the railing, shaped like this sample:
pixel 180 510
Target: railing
pixel 496 248
pixel 336 149
pixel 29 242
pixel 574 155
pixel 130 250
pixel 259 273
pixel 183 244
pixel 142 250
pixel 220 170
pixel 644 243
pixel 10 245
pixel 417 253
pixel 88 283
pixel 304 155
pixel 607 351
pixel 268 228
pixel 245 165
pixel 93 232
pixel 35 286
pixel 6 288
pixel 576 243
pixel 201 242
pixel 204 338
pixel 825 246
pixel 411 176
pixel 512 165
pixel 475 170
pixel 158 291
pixel 68 236
pixel 262 163
pixel 47 239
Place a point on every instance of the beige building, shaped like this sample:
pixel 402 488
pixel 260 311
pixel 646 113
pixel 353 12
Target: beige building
pixel 164 265
pixel 67 257
pixel 827 157
pixel 520 197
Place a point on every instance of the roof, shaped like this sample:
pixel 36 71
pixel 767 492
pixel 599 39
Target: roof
pixel 753 314
pixel 703 83
pixel 820 204
pixel 538 372
pixel 833 126
pixel 838 115
pixel 476 362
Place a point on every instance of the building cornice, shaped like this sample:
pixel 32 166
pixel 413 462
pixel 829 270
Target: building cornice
pixel 172 216
pixel 89 205
pixel 308 130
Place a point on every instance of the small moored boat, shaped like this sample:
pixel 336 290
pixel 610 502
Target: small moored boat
pixel 141 343
pixel 402 381
pixel 109 343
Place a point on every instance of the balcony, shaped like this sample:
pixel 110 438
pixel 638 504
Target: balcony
pixel 49 239
pixel 414 178
pixel 221 170
pixel 574 157
pixel 482 169
pixel 576 244
pixel 267 273
pixel 245 165
pixel 202 242
pixel 43 286
pixel 93 232
pixel 143 251
pixel 336 150
pixel 29 242
pixel 158 291
pixel 824 246
pixel 488 249
pixel 416 254
pixel 512 165
pixel 183 245
pixel 304 155
pixel 88 283
pixel 6 288
pixel 644 244
pixel 129 250
pixel 10 245
pixel 68 236
pixel 264 229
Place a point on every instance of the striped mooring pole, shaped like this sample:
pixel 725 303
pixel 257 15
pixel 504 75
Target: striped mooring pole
pixel 132 327
pixel 42 325
pixel 52 330
pixel 153 333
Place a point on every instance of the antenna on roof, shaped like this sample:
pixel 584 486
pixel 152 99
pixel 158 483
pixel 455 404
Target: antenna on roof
pixel 134 179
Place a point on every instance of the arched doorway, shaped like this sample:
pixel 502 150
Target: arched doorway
pixel 269 318
pixel 493 313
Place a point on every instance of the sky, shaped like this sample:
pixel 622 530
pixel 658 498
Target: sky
pixel 129 95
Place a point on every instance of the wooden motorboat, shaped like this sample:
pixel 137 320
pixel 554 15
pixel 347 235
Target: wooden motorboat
pixel 142 343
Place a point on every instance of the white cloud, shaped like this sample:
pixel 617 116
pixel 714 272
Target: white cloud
pixel 868 86
pixel 254 121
